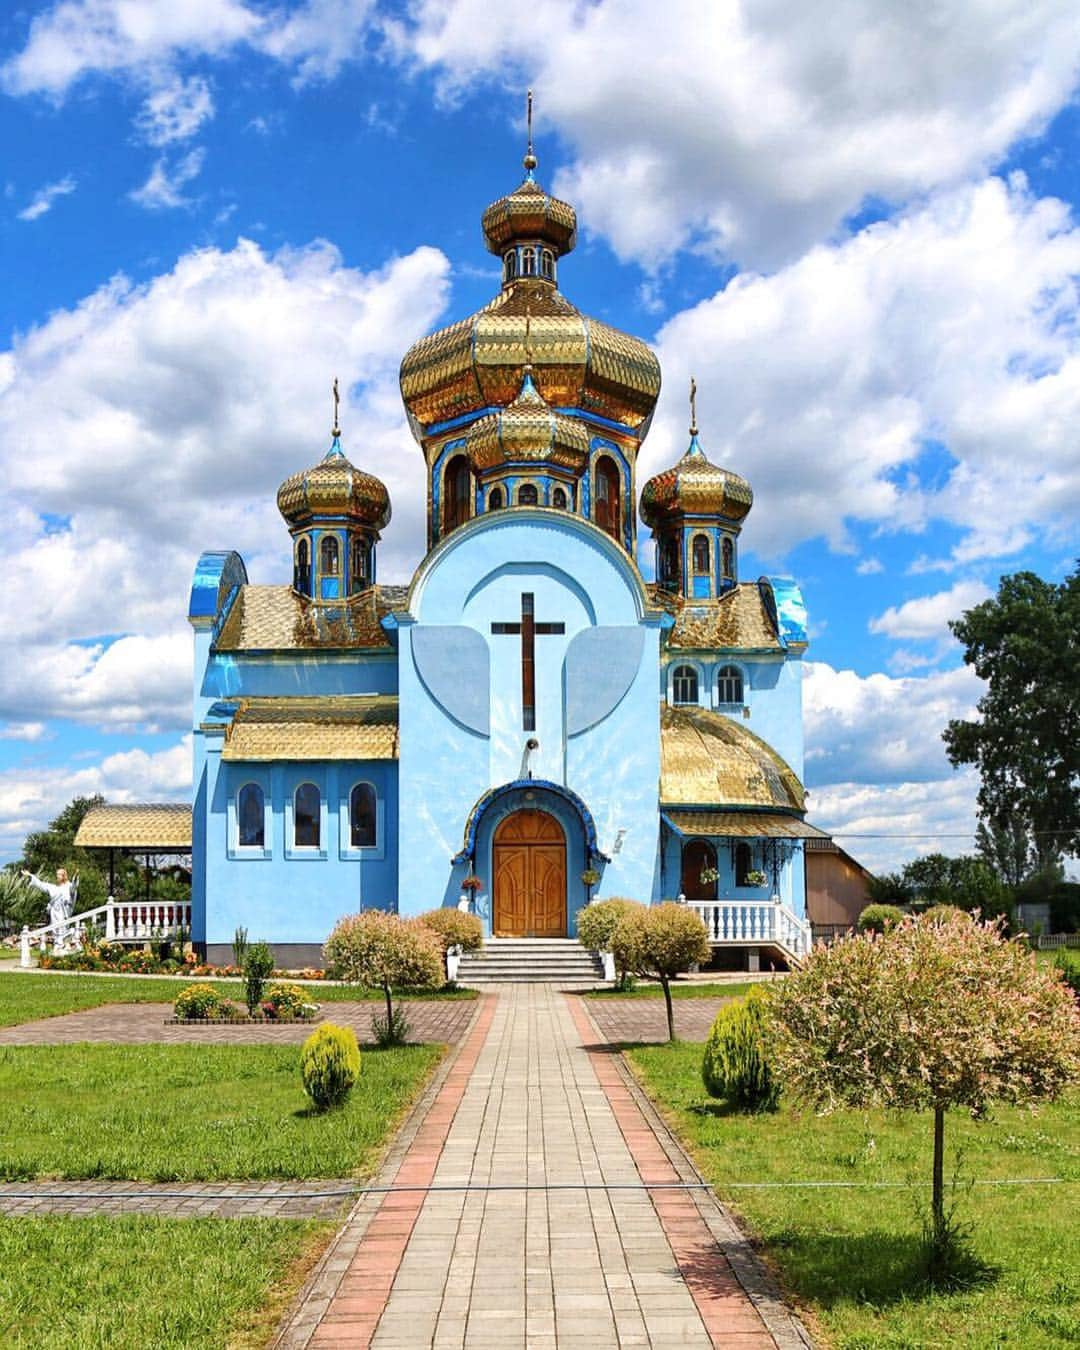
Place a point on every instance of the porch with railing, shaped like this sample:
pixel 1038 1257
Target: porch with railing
pixel 753 923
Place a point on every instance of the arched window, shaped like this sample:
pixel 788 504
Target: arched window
pixel 361 561
pixel 701 554
pixel 329 556
pixel 606 512
pixel 528 495
pixel 667 562
pixel 547 265
pixel 729 685
pixel 744 864
pixel 495 499
pixel 362 819
pixel 302 567
pixel 510 265
pixel 307 802
pixel 684 684
pixel 250 817
pixel 727 555
pixel 528 262
pixel 456 487
pixel 558 499
pixel 698 870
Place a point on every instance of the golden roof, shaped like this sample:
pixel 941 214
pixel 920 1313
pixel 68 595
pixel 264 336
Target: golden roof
pixel 527 430
pixel 276 618
pixel 707 759
pixel 695 486
pixel 737 621
pixel 529 213
pixel 346 727
pixel 334 487
pixel 149 827
pixel 744 825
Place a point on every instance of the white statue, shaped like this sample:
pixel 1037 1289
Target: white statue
pixel 61 904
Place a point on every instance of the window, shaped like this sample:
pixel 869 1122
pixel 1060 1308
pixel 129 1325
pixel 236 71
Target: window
pixel 510 265
pixel 362 818
pixel 558 499
pixel 456 485
pixel 701 554
pixel 528 495
pixel 729 685
pixel 361 559
pixel 667 562
pixel 329 556
pixel 495 499
pixel 606 511
pixel 547 265
pixel 528 262
pixel 250 817
pixel 744 864
pixel 727 554
pixel 307 804
pixel 684 684
pixel 302 567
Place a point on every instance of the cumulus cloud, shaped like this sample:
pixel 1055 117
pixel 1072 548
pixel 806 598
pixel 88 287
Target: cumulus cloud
pixel 164 189
pixel 175 111
pixel 22 731
pixel 43 199
pixel 928 616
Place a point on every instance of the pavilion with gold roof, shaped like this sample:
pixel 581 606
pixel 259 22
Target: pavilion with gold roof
pixel 529 724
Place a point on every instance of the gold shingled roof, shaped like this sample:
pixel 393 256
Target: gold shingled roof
pixel 743 825
pixel 708 759
pixel 150 827
pixel 738 620
pixel 276 618
pixel 346 727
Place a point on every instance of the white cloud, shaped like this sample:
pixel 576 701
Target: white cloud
pixel 164 189
pixel 317 37
pixel 754 130
pixel 869 567
pixel 956 324
pixel 43 199
pixel 22 731
pixel 928 616
pixel 175 111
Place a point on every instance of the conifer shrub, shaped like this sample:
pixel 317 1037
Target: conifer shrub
pixel 880 918
pixel 736 1063
pixel 329 1065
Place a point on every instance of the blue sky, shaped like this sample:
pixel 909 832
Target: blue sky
pixel 854 224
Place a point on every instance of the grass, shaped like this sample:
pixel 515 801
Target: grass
pixel 677 991
pixel 193 1112
pixel 130 1282
pixel 25 998
pixel 851 1256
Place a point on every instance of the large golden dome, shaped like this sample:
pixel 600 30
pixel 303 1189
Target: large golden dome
pixel 695 486
pixel 334 487
pixel 527 430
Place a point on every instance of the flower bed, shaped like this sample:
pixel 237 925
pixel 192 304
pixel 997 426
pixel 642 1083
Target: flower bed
pixel 113 957
pixel 204 1005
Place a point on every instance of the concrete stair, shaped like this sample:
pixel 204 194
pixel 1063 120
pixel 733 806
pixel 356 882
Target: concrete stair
pixel 530 961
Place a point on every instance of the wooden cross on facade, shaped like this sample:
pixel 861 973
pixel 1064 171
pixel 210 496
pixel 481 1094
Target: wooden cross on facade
pixel 529 630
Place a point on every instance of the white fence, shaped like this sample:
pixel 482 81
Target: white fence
pixel 753 922
pixel 121 921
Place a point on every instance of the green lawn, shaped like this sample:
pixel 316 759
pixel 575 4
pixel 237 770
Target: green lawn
pixel 193 1112
pixel 850 1255
pixel 133 1283
pixel 24 998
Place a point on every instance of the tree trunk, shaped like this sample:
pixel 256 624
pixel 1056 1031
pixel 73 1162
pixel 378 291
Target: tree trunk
pixel 666 986
pixel 389 1011
pixel 937 1199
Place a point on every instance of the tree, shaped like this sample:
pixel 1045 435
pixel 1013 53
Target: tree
pixel 967 882
pixel 46 850
pixel 926 1017
pixel 660 942
pixel 597 923
pixel 381 951
pixel 1025 643
pixel 1008 849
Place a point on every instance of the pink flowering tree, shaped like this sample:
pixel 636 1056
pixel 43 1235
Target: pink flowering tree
pixel 926 1016
pixel 381 951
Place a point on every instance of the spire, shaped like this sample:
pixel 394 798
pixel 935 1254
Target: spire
pixel 335 451
pixel 693 406
pixel 530 159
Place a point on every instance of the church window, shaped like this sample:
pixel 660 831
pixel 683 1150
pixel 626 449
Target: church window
pixel 362 817
pixel 307 804
pixel 329 556
pixel 361 559
pixel 727 555
pixel 456 486
pixel 302 567
pixel 744 864
pixel 558 499
pixel 729 685
pixel 495 499
pixel 547 265
pixel 684 685
pixel 606 511
pixel 701 554
pixel 510 265
pixel 528 262
pixel 528 495
pixel 250 818
pixel 668 562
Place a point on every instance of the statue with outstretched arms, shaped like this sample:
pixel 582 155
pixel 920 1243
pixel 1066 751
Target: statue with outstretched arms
pixel 60 903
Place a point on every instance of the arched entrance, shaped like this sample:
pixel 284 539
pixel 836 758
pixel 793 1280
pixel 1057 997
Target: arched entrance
pixel 698 856
pixel 529 876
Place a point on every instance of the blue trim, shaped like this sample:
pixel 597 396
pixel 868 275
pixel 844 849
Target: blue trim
pixel 436 428
pixel 600 421
pixel 218 576
pixel 520 784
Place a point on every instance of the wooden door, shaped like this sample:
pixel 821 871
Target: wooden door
pixel 697 855
pixel 529 876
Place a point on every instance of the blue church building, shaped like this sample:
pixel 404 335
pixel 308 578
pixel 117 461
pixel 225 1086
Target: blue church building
pixel 528 724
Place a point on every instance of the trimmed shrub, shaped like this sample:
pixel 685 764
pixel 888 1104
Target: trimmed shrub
pixel 660 942
pixel 879 918
pixel 258 967
pixel 944 914
pixel 597 922
pixel 383 951
pixel 288 1000
pixel 201 1001
pixel 454 928
pixel 329 1065
pixel 736 1063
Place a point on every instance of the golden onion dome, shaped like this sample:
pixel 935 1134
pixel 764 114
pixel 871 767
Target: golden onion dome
pixel 334 487
pixel 530 213
pixel 695 486
pixel 527 429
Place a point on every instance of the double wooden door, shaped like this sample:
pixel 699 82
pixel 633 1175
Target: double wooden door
pixel 529 872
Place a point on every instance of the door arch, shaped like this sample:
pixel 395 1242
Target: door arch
pixel 528 857
pixel 697 855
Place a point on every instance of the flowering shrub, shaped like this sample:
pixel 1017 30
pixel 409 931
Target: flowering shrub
pixel 385 952
pixel 288 1000
pixel 660 942
pixel 201 1001
pixel 138 961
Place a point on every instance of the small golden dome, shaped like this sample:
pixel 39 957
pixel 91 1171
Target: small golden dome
pixel 530 214
pixel 695 486
pixel 334 487
pixel 528 430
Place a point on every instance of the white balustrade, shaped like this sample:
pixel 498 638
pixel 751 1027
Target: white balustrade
pixel 753 921
pixel 123 920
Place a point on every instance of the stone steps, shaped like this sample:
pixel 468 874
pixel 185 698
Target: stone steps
pixel 531 961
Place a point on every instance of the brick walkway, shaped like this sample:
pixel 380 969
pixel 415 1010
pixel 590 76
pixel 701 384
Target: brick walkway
pixel 534 1097
pixel 178 1200
pixel 627 1021
pixel 435 1021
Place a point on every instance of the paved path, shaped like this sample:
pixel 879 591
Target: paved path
pixel 535 1097
pixel 627 1021
pixel 179 1200
pixel 435 1021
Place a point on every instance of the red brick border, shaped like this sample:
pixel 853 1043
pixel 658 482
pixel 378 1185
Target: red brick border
pixel 364 1291
pixel 731 1320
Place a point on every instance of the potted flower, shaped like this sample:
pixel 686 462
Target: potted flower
pixel 756 878
pixel 470 889
pixel 589 878
pixel 709 876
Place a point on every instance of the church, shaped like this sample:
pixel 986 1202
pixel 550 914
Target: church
pixel 528 725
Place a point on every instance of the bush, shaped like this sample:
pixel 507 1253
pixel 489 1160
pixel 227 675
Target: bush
pixel 385 952
pixel 201 1001
pixel 736 1063
pixel 1068 963
pixel 943 914
pixel 597 922
pixel 288 1000
pixel 454 928
pixel 258 967
pixel 329 1065
pixel 879 918
pixel 138 961
pixel 660 941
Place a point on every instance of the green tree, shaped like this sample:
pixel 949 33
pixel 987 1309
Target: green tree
pixel 660 942
pixel 1008 849
pixel 1025 643
pixel 966 882
pixel 381 951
